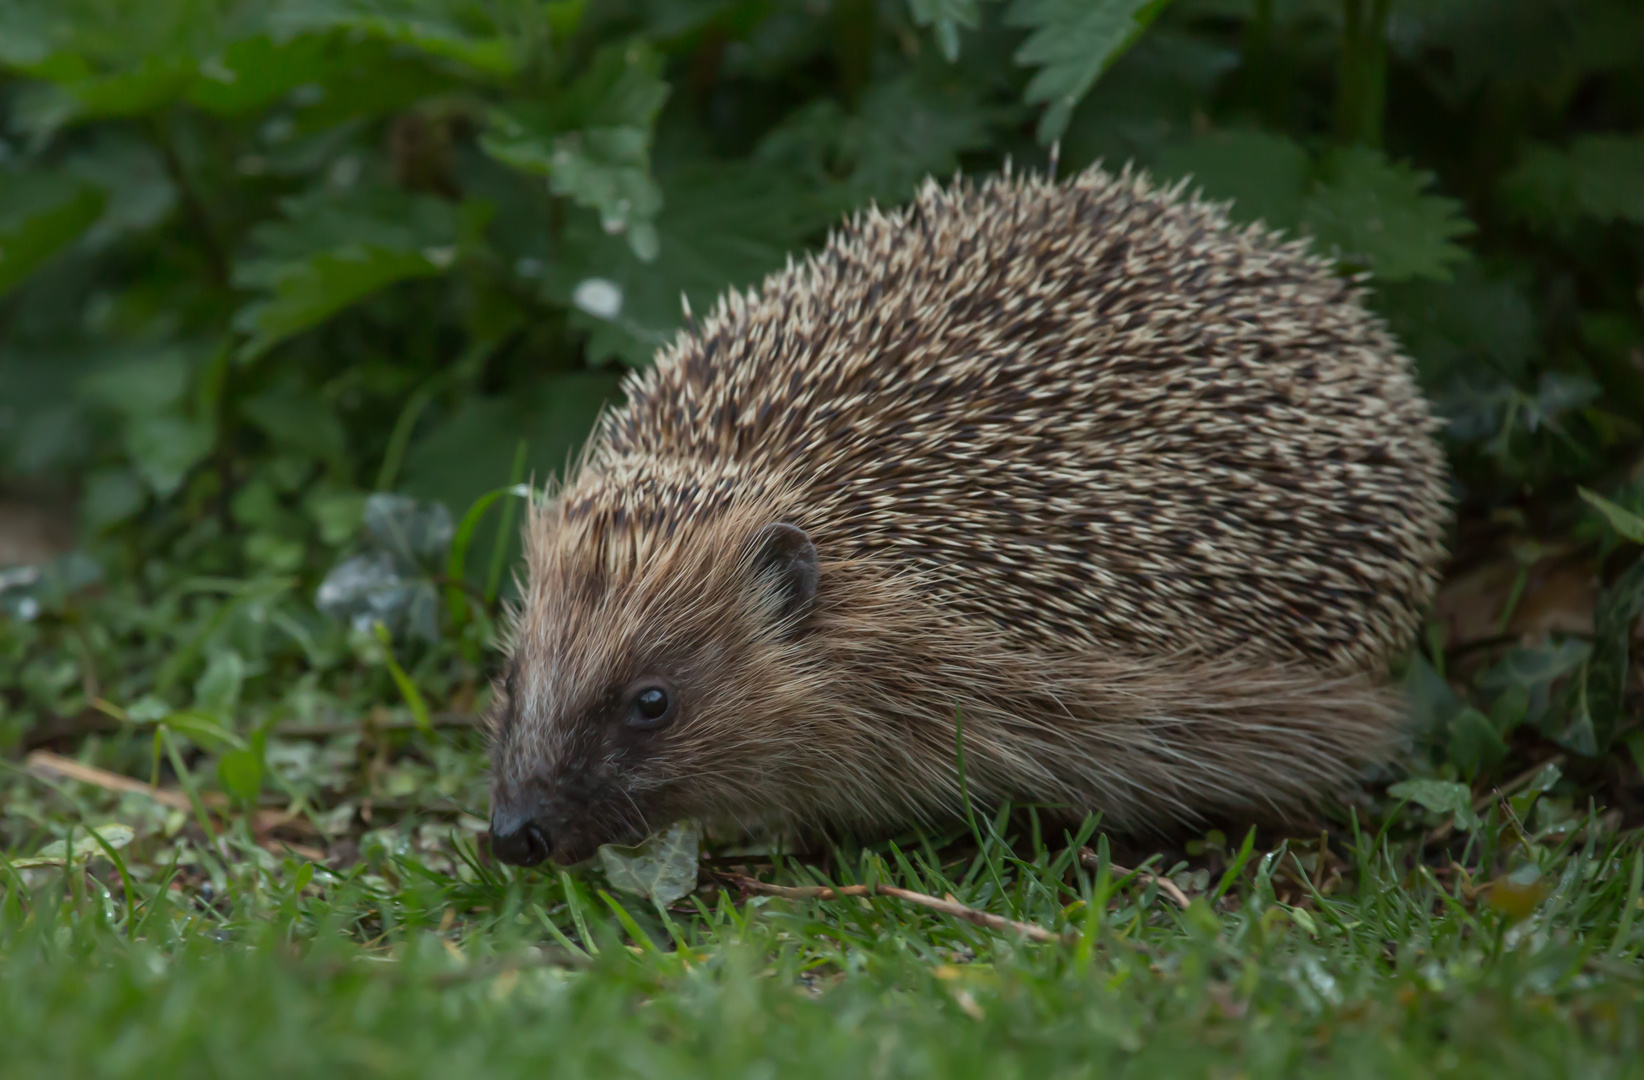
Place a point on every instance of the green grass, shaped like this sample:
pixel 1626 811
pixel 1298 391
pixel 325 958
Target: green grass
pixel 1503 951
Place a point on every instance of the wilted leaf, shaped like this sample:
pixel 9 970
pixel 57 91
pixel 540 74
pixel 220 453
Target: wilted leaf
pixel 663 868
pixel 1375 213
pixel 1518 894
pixel 86 846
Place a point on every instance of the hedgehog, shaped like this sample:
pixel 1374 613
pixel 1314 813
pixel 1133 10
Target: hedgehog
pixel 1064 493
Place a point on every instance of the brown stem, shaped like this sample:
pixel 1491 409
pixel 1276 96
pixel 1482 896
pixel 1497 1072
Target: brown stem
pixel 947 906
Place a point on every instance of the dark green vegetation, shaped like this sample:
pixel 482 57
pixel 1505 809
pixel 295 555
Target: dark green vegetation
pixel 260 260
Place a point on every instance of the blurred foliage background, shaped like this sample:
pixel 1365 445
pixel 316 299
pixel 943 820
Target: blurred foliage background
pixel 295 293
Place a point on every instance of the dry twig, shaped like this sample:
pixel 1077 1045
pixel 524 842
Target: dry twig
pixel 44 763
pixel 1169 888
pixel 947 906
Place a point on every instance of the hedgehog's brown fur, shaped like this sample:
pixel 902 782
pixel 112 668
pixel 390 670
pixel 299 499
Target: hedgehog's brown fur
pixel 1149 499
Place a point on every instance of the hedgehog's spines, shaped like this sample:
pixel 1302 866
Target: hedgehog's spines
pixel 1070 451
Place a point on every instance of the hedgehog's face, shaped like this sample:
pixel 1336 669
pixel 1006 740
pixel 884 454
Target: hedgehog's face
pixel 637 696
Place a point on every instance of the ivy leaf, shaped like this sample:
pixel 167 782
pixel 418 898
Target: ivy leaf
pixel 328 254
pixel 1374 213
pixel 40 215
pixel 594 142
pixel 947 16
pixel 1072 42
pixel 663 868
pixel 1600 177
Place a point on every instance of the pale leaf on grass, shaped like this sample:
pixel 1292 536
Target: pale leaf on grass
pixel 86 846
pixel 663 868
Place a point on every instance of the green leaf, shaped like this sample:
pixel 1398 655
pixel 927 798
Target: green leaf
pixel 1441 797
pixel 1599 704
pixel 947 16
pixel 328 254
pixel 463 33
pixel 1600 177
pixel 594 141
pixel 1071 42
pixel 1621 519
pixel 406 685
pixel 164 448
pixel 110 497
pixel 217 691
pixel 1371 212
pixel 40 215
pixel 1268 176
pixel 240 772
pixel 1475 743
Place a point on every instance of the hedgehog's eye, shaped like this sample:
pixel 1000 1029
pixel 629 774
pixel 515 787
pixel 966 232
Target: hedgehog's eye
pixel 650 705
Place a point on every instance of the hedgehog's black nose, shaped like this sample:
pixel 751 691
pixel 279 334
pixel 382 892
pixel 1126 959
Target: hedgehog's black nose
pixel 525 844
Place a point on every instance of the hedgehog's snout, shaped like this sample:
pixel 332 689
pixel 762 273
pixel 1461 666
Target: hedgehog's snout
pixel 518 834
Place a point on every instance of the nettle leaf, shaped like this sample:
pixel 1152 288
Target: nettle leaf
pixel 40 215
pixel 1600 177
pixel 329 253
pixel 947 16
pixel 1072 42
pixel 1267 175
pixel 1474 325
pixel 908 129
pixel 1371 212
pixel 594 142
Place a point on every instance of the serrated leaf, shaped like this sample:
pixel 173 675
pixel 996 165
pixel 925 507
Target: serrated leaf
pixel 907 129
pixel 1071 42
pixel 721 225
pixel 594 142
pixel 40 215
pixel 1600 177
pixel 328 254
pixel 1375 213
pixel 947 17
pixel 663 868
pixel 1621 519
pixel 1267 175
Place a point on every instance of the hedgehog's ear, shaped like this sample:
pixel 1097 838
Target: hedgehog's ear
pixel 784 559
